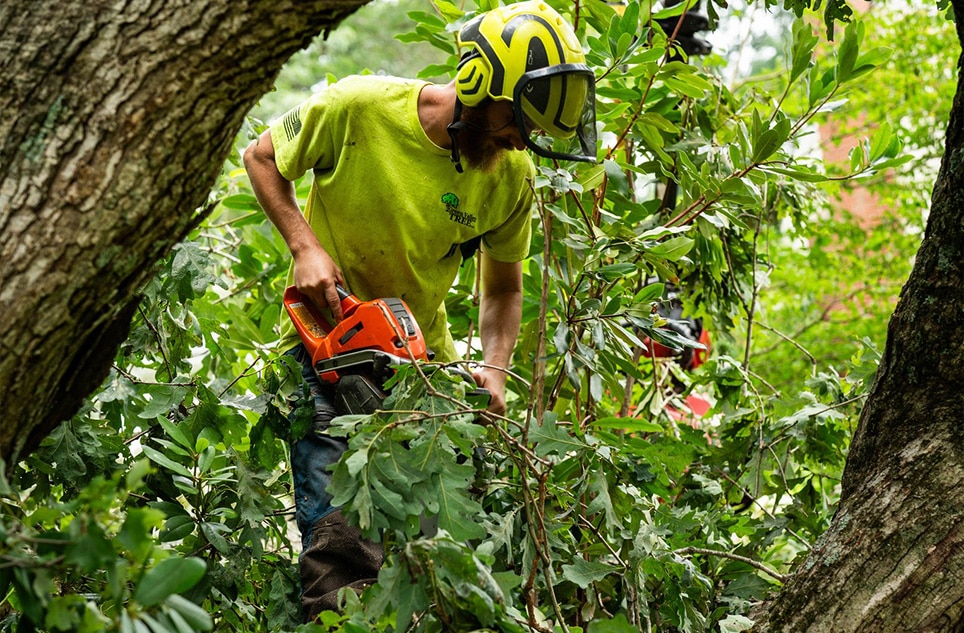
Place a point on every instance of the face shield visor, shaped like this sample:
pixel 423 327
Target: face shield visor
pixel 555 111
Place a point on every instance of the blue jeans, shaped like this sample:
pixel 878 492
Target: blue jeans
pixel 312 455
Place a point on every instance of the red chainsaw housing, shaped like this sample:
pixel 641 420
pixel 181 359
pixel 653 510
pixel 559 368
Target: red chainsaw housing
pixel 370 330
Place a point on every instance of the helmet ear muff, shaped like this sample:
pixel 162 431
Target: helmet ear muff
pixel 472 79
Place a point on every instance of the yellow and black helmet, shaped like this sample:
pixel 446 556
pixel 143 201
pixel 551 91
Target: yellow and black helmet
pixel 528 54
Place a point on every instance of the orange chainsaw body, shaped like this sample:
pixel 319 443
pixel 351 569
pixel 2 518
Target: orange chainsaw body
pixel 371 332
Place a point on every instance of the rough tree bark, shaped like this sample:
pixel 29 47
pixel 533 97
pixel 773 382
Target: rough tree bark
pixel 893 558
pixel 117 118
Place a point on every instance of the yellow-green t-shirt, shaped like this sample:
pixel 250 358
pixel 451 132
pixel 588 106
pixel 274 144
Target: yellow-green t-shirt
pixel 387 203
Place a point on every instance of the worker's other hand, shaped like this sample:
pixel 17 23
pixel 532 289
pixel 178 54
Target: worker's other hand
pixel 493 380
pixel 317 276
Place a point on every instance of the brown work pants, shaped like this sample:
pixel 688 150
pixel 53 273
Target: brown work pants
pixel 337 557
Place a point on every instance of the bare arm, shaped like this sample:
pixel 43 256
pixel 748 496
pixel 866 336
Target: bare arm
pixel 315 272
pixel 499 318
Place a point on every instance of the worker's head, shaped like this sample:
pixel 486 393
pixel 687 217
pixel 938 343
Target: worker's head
pixel 527 57
pixel 486 131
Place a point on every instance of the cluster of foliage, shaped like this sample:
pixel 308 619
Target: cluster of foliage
pixel 599 502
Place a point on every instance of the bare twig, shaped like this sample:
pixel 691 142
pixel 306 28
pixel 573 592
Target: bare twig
pixel 743 559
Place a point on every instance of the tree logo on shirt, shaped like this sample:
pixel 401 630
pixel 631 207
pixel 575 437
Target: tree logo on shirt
pixel 451 202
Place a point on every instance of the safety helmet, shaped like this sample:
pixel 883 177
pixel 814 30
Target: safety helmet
pixel 528 54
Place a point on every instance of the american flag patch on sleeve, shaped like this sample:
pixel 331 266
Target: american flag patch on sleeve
pixel 292 123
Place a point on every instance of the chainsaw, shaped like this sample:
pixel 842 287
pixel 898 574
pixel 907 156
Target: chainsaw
pixel 356 355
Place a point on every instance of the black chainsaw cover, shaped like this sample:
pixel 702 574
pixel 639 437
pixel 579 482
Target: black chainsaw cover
pixel 356 394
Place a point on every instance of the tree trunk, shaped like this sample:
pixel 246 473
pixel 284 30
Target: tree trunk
pixel 893 557
pixel 117 118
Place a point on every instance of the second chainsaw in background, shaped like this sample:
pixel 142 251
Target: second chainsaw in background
pixel 356 355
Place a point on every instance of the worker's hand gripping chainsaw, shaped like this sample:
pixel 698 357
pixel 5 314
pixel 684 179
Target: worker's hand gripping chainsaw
pixel 355 356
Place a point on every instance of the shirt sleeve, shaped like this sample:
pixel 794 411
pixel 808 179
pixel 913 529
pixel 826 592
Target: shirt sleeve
pixel 303 139
pixel 510 241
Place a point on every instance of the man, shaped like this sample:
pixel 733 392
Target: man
pixel 388 216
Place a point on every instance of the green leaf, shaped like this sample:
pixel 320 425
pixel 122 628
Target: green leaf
pixel 170 576
pixel 631 425
pixel 672 249
pixel 283 605
pixel 623 44
pixel 871 60
pixel 858 157
pixel 645 60
pixel 881 141
pixel 584 573
pixel 388 501
pixel 549 438
pixel 161 459
pixel 459 512
pixel 176 528
pixel 803 175
pixel 427 19
pixel 628 23
pixel 847 52
pixel 616 271
pixel 659 122
pixel 804 41
pixel 176 433
pixel 356 462
pixel 821 86
pixel 137 532
pixel 674 10
pixel 134 478
pixel 241 202
pixel 163 399
pixel 64 449
pixel 196 617
pixel 690 85
pixel 601 499
pixel 90 549
pixel 449 11
pixel 618 624
pixel 154 624
pixel 652 139
pixel 435 70
pixel 770 141
pixel 190 271
pixel 593 177
pixel 140 626
pixel 649 293
pixel 61 613
pixel 126 626
pixel 212 532
pixel 178 622
pixel 361 503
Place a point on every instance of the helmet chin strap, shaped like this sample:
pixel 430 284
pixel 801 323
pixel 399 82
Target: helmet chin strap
pixel 453 130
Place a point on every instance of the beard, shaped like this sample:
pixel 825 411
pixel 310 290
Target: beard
pixel 478 148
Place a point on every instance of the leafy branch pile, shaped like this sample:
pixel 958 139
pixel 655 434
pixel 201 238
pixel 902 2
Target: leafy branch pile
pixel 599 503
